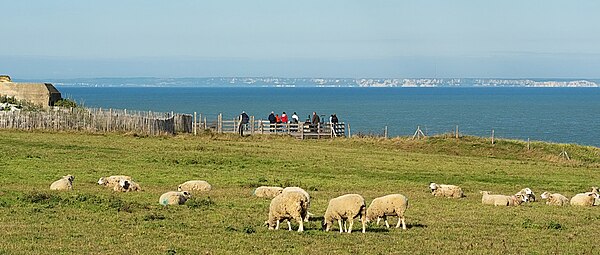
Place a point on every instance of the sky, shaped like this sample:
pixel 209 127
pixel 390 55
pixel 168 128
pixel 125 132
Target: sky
pixel 308 38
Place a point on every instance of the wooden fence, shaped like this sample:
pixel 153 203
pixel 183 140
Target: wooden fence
pixel 299 130
pixel 98 120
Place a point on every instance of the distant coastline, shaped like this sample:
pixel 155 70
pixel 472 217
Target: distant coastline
pixel 323 82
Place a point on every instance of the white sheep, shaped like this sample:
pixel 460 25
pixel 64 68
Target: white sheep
pixel 267 192
pixel 555 199
pixel 195 185
pixel 595 190
pixel 288 206
pixel 303 192
pixel 390 205
pixel 126 186
pixel 528 193
pixel 502 200
pixel 110 181
pixel 346 207
pixel 64 183
pixel 585 199
pixel 174 198
pixel 444 190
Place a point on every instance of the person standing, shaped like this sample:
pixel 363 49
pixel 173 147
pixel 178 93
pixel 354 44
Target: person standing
pixel 334 122
pixel 272 120
pixel 244 119
pixel 315 122
pixel 284 118
pixel 295 118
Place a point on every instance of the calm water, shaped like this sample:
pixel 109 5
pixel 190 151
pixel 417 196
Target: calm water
pixel 569 115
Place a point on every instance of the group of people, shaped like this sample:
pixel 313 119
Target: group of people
pixel 274 119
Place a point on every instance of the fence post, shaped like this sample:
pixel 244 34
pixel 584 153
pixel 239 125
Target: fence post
pixel 456 134
pixel 195 125
pixel 252 125
pixel 220 123
pixel 301 131
pixel 349 134
pixel 492 136
pixel 385 132
pixel 262 128
pixel 528 144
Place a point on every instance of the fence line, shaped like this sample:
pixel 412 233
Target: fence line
pixel 98 120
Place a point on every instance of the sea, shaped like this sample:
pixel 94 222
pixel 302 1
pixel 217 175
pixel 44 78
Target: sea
pixel 563 115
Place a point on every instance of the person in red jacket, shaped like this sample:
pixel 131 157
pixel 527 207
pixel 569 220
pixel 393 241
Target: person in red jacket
pixel 284 118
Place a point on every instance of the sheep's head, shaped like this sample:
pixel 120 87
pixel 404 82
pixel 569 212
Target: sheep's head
pixel 102 181
pixel 433 186
pixel 522 198
pixel 186 194
pixel 595 190
pixel 179 188
pixel 545 195
pixel 527 191
pixel 69 177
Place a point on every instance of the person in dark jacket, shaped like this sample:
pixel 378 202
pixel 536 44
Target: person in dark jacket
pixel 244 119
pixel 272 120
pixel 315 122
pixel 334 122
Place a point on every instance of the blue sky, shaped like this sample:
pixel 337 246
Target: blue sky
pixel 333 38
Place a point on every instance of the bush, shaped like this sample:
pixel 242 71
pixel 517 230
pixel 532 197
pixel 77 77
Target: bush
pixel 65 102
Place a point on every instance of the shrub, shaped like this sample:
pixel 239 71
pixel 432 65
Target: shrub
pixel 65 102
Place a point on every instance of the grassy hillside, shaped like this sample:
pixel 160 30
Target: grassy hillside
pixel 229 220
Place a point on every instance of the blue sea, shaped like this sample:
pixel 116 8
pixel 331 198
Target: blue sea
pixel 565 115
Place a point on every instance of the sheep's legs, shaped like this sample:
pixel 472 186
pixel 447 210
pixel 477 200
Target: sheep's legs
pixel 340 223
pixel 277 225
pixel 387 225
pixel 301 228
pixel 378 220
pixel 289 225
pixel 403 224
pixel 350 227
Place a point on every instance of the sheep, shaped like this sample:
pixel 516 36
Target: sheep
pixel 503 200
pixel 64 183
pixel 174 198
pixel 287 206
pixel 390 205
pixel 195 185
pixel 443 190
pixel 110 181
pixel 585 199
pixel 303 192
pixel 595 190
pixel 346 207
pixel 267 192
pixel 555 199
pixel 126 186
pixel 528 193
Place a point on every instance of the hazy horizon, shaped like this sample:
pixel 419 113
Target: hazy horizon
pixel 434 39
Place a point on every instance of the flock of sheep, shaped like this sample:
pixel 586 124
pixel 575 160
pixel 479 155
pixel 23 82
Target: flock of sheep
pixel 292 203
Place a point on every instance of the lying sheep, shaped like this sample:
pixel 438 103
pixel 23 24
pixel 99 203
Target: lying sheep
pixel 595 190
pixel 555 199
pixel 303 192
pixel 346 207
pixel 111 181
pixel 267 192
pixel 126 186
pixel 502 200
pixel 288 206
pixel 585 199
pixel 444 190
pixel 195 185
pixel 528 193
pixel 64 183
pixel 390 205
pixel 174 198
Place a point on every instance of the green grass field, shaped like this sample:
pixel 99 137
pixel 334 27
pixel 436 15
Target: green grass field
pixel 229 220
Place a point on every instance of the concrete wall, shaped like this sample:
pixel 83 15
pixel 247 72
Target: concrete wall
pixel 43 94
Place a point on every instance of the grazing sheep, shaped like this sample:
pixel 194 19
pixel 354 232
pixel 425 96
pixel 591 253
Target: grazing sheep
pixel 111 181
pixel 502 200
pixel 443 190
pixel 126 186
pixel 585 199
pixel 195 185
pixel 64 183
pixel 346 207
pixel 267 192
pixel 390 205
pixel 555 199
pixel 303 192
pixel 288 206
pixel 528 193
pixel 174 198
